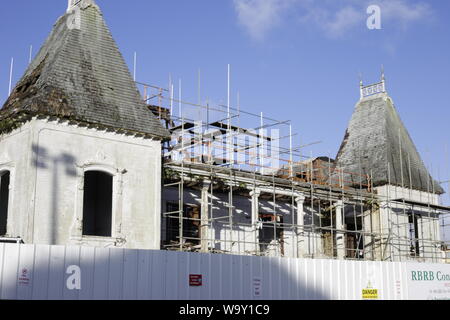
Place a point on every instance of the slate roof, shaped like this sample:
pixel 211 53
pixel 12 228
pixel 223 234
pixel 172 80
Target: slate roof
pixel 80 74
pixel 372 144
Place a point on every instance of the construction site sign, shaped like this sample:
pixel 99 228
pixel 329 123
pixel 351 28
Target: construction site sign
pixel 429 281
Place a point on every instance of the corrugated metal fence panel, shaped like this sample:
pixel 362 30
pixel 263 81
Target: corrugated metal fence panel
pixel 41 272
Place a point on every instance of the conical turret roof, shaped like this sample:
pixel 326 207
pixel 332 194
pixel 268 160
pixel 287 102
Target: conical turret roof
pixel 377 144
pixel 80 74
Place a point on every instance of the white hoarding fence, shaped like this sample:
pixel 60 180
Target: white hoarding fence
pixel 59 272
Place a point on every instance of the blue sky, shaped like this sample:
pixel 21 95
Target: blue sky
pixel 293 60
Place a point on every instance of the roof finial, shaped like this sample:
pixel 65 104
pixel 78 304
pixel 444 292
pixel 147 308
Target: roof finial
pixel 73 3
pixel 361 85
pixel 383 78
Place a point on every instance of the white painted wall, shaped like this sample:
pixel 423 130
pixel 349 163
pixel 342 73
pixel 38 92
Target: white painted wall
pixel 40 272
pixel 392 243
pixel 16 157
pixel 394 192
pixel 48 161
pixel 240 240
pixel 395 221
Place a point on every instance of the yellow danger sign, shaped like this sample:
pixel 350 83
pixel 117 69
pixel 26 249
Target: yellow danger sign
pixel 370 294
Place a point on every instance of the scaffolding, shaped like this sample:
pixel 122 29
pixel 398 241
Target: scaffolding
pixel 231 189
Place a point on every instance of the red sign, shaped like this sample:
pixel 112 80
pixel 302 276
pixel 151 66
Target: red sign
pixel 24 278
pixel 195 280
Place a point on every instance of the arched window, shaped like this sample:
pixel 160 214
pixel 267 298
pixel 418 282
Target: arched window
pixel 97 204
pixel 4 201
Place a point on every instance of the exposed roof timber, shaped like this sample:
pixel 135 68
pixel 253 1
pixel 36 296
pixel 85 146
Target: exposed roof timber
pixel 223 128
pixel 263 181
pixel 190 143
pixel 184 126
pixel 422 204
pixel 240 130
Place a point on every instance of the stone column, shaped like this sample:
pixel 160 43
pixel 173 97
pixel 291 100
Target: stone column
pixel 76 232
pixel 372 240
pixel 437 238
pixel 204 216
pixel 422 237
pixel 118 202
pixel 378 239
pixel 385 231
pixel 429 234
pixel 255 218
pixel 340 235
pixel 300 241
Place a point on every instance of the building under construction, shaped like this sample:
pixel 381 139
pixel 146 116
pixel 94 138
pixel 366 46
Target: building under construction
pixel 86 161
pixel 224 191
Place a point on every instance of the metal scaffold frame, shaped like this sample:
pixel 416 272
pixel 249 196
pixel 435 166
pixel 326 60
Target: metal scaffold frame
pixel 333 213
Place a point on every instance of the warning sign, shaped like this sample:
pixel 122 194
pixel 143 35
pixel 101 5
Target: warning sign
pixel 257 287
pixel 195 280
pixel 370 294
pixel 24 278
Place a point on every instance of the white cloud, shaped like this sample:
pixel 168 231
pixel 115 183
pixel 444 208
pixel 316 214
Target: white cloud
pixel 334 18
pixel 258 17
pixel 404 13
pixel 343 21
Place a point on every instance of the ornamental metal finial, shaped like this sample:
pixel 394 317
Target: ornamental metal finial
pixel 361 85
pixel 73 3
pixel 383 78
pixel 370 90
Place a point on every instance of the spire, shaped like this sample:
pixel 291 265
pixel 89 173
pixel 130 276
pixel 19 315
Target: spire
pixel 80 74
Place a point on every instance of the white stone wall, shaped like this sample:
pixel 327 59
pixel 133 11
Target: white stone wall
pixel 395 221
pixel 240 240
pixel 395 192
pixel 48 161
pixel 16 157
